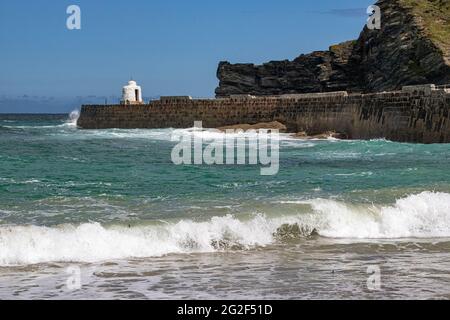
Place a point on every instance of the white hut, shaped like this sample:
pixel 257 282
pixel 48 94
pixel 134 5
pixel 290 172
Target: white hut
pixel 132 93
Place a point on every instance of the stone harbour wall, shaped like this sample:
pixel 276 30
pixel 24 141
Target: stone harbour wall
pixel 414 114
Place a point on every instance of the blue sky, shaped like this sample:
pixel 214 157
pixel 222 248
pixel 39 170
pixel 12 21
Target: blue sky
pixel 171 47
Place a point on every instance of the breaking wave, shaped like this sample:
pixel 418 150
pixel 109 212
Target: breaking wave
pixel 73 118
pixel 425 215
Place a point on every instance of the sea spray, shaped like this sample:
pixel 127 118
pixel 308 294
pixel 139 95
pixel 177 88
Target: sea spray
pixel 73 117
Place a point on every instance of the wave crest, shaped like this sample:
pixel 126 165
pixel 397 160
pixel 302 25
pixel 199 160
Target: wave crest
pixel 425 215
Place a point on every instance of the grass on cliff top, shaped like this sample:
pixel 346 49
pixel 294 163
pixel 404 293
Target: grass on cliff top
pixel 342 47
pixel 434 15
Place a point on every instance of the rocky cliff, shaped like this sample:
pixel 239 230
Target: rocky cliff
pixel 412 47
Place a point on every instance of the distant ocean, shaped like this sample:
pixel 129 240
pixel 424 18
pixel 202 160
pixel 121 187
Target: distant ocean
pixel 342 219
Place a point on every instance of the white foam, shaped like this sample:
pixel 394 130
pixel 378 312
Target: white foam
pixel 92 242
pixel 425 215
pixel 167 133
pixel 215 134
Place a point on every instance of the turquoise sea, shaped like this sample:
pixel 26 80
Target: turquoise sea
pixel 112 206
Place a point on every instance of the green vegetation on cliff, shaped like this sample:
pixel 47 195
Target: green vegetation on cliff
pixel 434 17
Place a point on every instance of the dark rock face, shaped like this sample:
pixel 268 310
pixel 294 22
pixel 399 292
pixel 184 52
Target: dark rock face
pixel 401 53
pixel 320 71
